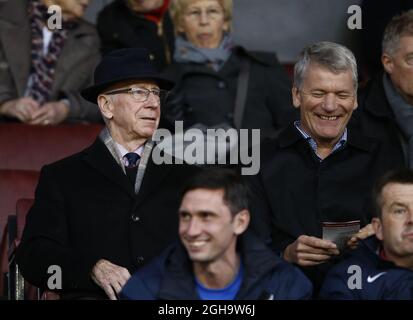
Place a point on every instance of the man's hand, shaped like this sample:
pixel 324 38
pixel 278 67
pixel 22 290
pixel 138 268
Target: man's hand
pixel 310 251
pixel 22 109
pixel 110 277
pixel 51 113
pixel 363 233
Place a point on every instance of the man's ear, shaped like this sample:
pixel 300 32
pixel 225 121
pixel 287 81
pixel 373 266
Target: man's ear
pixel 378 228
pixel 355 102
pixel 296 97
pixel 241 221
pixel 106 106
pixel 387 62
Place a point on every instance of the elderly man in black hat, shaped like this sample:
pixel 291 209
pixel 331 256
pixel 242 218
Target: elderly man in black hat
pixel 102 213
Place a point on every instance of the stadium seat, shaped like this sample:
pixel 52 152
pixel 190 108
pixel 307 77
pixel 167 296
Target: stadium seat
pixel 28 147
pixel 22 208
pixel 26 290
pixel 15 184
pixel 19 288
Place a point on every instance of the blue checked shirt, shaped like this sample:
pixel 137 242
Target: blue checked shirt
pixel 313 144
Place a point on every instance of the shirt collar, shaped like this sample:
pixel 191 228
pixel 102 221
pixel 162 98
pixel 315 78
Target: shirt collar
pixel 122 150
pixel 313 144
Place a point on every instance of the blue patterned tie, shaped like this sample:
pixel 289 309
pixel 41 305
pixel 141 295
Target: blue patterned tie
pixel 131 160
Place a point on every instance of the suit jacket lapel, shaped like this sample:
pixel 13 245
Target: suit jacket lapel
pixel 153 177
pixel 99 157
pixel 71 55
pixel 15 38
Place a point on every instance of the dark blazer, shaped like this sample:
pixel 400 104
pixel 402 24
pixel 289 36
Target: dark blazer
pixel 375 118
pixel 294 193
pixel 119 28
pixel 202 95
pixel 74 68
pixel 170 276
pixel 85 209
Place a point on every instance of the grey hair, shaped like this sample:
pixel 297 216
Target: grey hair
pixel 400 25
pixel 112 98
pixel 335 57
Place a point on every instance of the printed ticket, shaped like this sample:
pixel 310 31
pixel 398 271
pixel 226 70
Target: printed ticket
pixel 340 232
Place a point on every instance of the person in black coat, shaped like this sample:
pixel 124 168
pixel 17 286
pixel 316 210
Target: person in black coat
pixel 220 84
pixel 138 24
pixel 217 257
pixel 316 171
pixel 386 104
pixel 102 213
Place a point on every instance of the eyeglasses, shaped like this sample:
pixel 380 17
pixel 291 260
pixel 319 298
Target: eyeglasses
pixel 142 94
pixel 211 13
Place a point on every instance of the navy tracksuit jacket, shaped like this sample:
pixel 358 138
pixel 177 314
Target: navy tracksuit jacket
pixel 380 279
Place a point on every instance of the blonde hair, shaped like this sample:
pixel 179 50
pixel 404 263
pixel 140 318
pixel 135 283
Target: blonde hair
pixel 177 8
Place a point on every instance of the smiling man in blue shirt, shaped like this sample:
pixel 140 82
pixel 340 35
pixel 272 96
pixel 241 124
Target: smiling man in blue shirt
pixel 318 170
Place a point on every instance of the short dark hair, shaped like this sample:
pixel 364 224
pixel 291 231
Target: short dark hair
pixel 235 189
pixel 402 176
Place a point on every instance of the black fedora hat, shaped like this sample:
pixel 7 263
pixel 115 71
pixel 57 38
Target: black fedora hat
pixel 120 65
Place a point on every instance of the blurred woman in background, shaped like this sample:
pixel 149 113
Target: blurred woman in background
pixel 220 84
